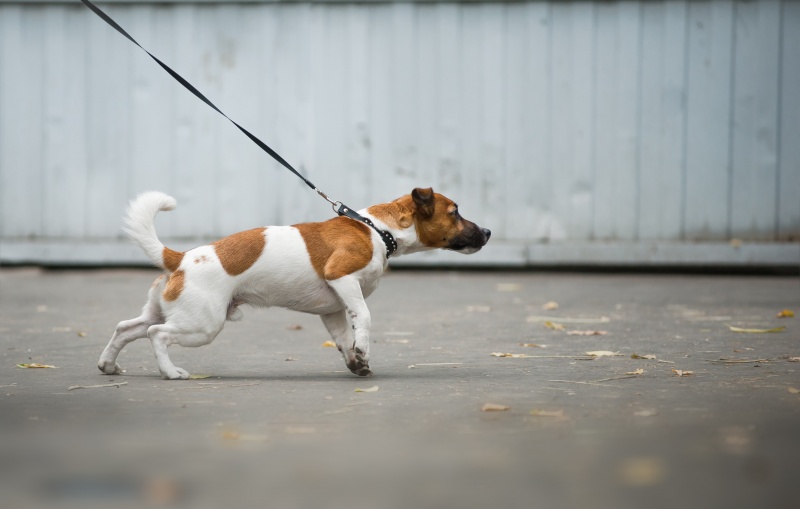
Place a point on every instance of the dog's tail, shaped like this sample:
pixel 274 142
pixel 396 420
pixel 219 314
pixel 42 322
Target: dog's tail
pixel 140 227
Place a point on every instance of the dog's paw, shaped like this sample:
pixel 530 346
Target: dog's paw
pixel 359 368
pixel 176 374
pixel 359 363
pixel 109 367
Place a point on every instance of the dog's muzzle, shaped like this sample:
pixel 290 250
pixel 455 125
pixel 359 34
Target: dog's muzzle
pixel 471 240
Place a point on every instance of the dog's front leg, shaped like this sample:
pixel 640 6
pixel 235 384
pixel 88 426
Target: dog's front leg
pixel 355 350
pixel 339 329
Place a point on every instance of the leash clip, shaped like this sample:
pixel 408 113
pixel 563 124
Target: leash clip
pixel 334 203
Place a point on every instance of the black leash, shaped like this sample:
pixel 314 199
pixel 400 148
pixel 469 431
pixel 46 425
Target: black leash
pixel 339 207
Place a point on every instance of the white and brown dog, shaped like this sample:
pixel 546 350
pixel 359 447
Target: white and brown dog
pixel 326 268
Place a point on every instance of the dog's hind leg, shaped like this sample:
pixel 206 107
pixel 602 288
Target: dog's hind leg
pixel 163 335
pixel 130 330
pixel 126 331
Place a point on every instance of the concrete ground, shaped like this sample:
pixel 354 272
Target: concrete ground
pixel 278 422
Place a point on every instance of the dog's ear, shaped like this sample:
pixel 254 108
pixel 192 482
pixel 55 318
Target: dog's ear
pixel 423 198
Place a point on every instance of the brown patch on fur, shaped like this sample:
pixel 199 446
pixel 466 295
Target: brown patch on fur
pixel 174 286
pixel 238 252
pixel 201 259
pixel 397 214
pixel 337 247
pixel 172 259
pixel 436 224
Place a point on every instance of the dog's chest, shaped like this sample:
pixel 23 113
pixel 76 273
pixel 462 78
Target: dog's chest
pixel 370 276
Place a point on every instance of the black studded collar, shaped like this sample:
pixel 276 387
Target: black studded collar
pixel 388 238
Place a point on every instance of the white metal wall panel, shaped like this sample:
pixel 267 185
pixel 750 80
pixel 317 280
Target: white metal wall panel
pixel 626 122
pixel 662 121
pixel 616 119
pixel 709 116
pixel 789 122
pixel 754 150
pixel 572 44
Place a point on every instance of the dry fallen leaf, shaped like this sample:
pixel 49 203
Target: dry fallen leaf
pixel 35 365
pixel 642 471
pixel 451 364
pixel 399 341
pixel 533 345
pixel 794 359
pixel 295 327
pixel 548 413
pixel 603 353
pixel 198 377
pixel 736 439
pixel 566 319
pixel 785 314
pixel 550 305
pixel 635 372
pixel 494 407
pixel 680 372
pixel 586 333
pixel 328 344
pixel 554 325
pixel 793 390
pixel 374 388
pixel 648 357
pixel 235 435
pixel 162 492
pixel 81 334
pixel 508 287
pixel 512 355
pixel 755 331
pixel 300 430
pixel 100 386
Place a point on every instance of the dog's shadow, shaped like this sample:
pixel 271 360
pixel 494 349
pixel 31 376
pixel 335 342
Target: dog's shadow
pixel 326 377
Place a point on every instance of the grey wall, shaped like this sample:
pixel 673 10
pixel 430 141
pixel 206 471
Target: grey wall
pixel 643 132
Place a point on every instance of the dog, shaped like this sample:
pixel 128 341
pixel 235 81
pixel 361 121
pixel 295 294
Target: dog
pixel 326 268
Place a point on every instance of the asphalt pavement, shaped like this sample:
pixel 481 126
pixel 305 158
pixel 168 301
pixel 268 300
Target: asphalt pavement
pixel 484 396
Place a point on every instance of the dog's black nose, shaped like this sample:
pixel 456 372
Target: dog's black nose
pixel 486 232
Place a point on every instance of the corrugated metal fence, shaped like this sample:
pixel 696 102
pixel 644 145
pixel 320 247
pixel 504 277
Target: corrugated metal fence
pixel 579 132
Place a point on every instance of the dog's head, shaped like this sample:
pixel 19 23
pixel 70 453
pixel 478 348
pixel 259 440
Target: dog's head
pixel 439 224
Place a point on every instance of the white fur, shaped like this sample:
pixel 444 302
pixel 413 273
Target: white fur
pixel 139 222
pixel 282 276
